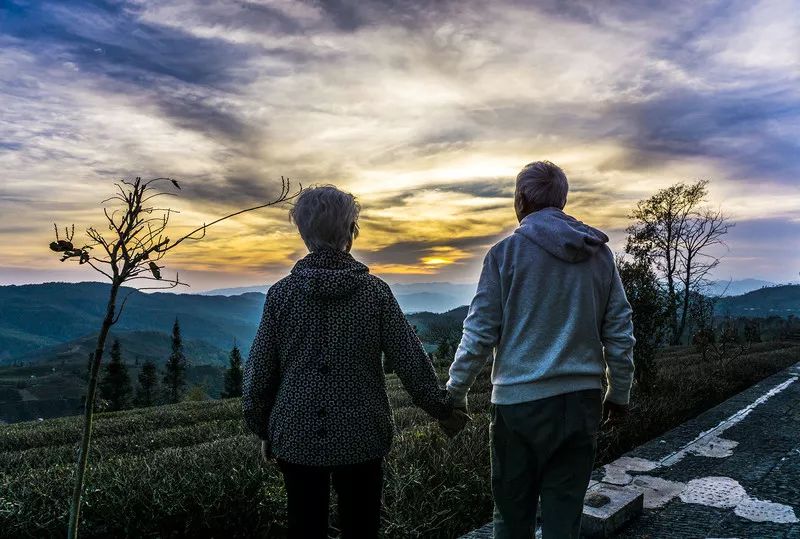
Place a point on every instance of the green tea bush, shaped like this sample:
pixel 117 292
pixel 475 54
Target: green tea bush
pixel 192 469
pixel 191 491
pixel 139 443
pixel 65 430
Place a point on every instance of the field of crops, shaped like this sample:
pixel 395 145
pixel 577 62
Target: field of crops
pixel 192 469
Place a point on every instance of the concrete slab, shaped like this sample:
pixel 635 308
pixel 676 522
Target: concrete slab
pixel 607 508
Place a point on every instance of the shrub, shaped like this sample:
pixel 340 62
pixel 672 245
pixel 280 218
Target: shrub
pixel 192 469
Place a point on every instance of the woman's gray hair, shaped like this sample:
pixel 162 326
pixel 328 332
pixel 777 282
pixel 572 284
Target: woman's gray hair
pixel 541 184
pixel 326 217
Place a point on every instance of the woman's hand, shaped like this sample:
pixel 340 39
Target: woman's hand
pixel 455 423
pixel 266 451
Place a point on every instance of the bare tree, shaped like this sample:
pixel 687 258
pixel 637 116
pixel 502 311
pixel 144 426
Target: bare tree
pixel 677 236
pixel 704 231
pixel 136 242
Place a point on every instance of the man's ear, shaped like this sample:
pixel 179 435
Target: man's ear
pixel 519 208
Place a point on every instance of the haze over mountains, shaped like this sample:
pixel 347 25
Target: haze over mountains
pixel 57 320
pixel 437 297
pixel 48 330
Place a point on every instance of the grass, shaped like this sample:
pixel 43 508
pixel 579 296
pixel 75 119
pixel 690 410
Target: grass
pixel 192 469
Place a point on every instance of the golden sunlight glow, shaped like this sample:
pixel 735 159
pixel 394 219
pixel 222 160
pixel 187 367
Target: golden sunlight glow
pixel 428 126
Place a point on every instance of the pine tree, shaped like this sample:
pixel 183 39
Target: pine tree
pixel 175 375
pixel 233 376
pixel 115 387
pixel 148 385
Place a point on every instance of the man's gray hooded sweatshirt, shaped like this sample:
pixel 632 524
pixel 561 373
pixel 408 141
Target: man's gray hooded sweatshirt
pixel 550 301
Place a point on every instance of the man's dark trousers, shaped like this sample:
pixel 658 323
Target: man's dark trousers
pixel 545 447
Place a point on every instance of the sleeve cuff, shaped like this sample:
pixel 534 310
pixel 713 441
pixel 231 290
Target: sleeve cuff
pixel 458 398
pixel 618 396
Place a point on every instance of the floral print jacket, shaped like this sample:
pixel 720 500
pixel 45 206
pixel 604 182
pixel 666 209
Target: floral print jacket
pixel 314 385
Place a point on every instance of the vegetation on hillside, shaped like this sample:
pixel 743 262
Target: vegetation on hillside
pixel 193 469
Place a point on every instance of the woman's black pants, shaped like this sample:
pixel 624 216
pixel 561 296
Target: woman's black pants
pixel 358 489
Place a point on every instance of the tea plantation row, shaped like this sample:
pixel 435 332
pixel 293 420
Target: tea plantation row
pixel 192 469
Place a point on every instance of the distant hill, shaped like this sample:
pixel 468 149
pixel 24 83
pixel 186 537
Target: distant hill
pixel 45 321
pixel 437 297
pixel 35 317
pixel 137 347
pixel 735 288
pixel 52 329
pixel 55 389
pixel 771 301
pixel 235 291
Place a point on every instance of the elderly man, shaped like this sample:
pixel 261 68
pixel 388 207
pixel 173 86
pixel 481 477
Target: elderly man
pixel 551 304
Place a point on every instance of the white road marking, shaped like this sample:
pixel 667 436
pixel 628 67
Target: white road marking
pixel 723 492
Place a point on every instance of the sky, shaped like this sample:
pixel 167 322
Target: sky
pixel 424 110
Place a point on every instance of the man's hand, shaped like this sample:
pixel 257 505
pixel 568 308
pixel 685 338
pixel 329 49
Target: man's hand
pixel 613 413
pixel 266 451
pixel 455 423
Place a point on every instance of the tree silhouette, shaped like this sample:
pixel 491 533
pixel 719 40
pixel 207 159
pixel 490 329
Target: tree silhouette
pixel 650 315
pixel 678 237
pixel 147 392
pixel 136 242
pixel 115 387
pixel 175 372
pixel 233 376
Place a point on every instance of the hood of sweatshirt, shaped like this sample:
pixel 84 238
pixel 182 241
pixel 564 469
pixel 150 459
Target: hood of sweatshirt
pixel 561 235
pixel 330 273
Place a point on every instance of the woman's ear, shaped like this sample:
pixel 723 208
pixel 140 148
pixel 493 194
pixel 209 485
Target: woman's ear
pixel 352 235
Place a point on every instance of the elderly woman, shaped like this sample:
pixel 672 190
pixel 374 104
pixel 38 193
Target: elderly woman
pixel 314 388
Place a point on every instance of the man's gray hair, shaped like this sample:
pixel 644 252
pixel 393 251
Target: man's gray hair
pixel 541 184
pixel 326 217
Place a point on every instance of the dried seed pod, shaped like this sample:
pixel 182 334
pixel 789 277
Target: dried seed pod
pixel 155 270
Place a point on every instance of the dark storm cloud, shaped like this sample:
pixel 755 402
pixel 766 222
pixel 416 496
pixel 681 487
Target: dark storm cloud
pixel 196 113
pixel 405 252
pixel 230 94
pixel 109 39
pixel 481 188
pixel 351 15
pixel 257 16
pixel 109 45
pixel 738 127
pixel 489 188
pixel 247 189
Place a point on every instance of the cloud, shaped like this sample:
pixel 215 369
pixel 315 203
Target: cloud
pixel 425 110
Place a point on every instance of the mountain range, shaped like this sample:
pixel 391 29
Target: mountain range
pixel 48 330
pixel 437 297
pixel 58 321
pixel 780 300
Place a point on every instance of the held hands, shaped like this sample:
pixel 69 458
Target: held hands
pixel 613 414
pixel 455 423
